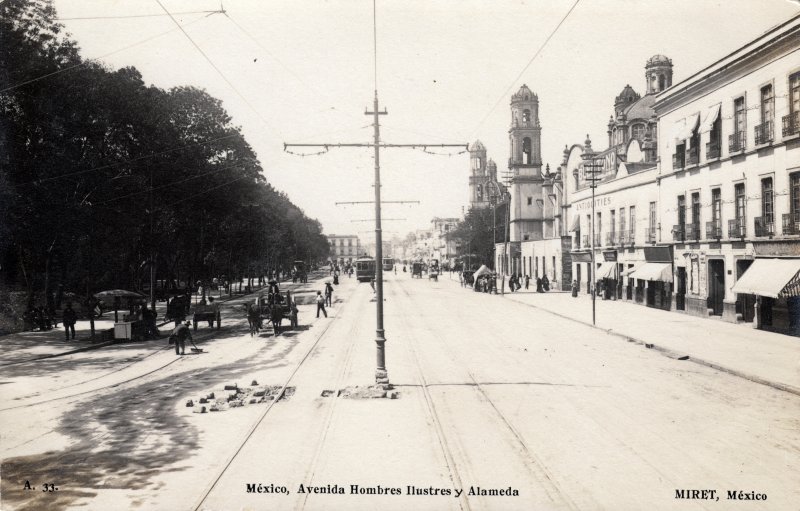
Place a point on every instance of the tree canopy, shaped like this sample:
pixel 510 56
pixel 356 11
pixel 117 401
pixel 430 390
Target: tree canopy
pixel 99 170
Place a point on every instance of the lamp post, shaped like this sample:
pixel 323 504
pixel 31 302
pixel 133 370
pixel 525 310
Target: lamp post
pixel 591 168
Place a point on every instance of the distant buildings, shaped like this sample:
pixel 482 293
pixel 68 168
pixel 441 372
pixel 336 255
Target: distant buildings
pixel 344 247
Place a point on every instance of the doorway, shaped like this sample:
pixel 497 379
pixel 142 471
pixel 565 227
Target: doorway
pixel 745 303
pixel 680 292
pixel 716 286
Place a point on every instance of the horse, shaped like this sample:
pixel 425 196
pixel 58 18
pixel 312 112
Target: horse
pixel 254 319
pixel 276 317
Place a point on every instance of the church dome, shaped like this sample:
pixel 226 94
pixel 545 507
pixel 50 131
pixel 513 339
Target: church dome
pixel 491 165
pixel 524 94
pixel 477 146
pixel 642 109
pixel 628 95
pixel 658 60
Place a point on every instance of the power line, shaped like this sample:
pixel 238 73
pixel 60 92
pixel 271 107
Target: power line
pixel 526 66
pixel 219 11
pixel 87 61
pixel 221 74
pixel 138 158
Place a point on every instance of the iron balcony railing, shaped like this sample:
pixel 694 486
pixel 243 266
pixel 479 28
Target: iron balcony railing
pixel 736 228
pixel 679 232
pixel 764 133
pixel 692 156
pixel 622 237
pixel 791 223
pixel 712 150
pixel 678 159
pixel 713 230
pixel 764 226
pixel 650 235
pixel 632 236
pixel 736 142
pixel 791 124
pixel 692 232
pixel 597 239
pixel 611 239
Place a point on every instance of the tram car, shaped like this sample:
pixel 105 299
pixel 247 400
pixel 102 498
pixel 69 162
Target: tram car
pixel 365 269
pixel 388 263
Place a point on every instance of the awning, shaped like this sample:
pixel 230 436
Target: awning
pixel 775 278
pixel 629 271
pixel 688 129
pixel 653 271
pixel 677 129
pixel 710 118
pixel 576 224
pixel 606 270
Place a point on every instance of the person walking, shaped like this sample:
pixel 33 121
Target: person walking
pixel 68 317
pixel 527 282
pixel 574 288
pixel 321 304
pixel 545 283
pixel 539 285
pixel 328 294
pixel 179 336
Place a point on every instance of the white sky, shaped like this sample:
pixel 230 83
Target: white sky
pixel 442 66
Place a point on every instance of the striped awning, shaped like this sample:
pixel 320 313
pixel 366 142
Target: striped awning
pixel 576 224
pixel 606 270
pixel 775 278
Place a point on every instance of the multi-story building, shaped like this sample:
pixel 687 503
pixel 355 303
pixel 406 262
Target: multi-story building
pixel 623 181
pixel 344 247
pixel 729 194
pixel 442 248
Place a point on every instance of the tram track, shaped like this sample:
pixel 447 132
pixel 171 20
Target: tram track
pixel 532 462
pixel 260 419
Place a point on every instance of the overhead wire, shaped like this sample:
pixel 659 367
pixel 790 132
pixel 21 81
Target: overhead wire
pixel 126 16
pixel 88 61
pixel 524 69
pixel 218 70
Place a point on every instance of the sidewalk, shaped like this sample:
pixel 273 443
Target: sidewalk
pixel 764 357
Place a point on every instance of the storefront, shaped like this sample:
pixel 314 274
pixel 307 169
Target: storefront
pixel 776 284
pixel 654 278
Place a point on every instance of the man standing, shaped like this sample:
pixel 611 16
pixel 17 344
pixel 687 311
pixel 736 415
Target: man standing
pixel 179 335
pixel 68 317
pixel 328 294
pixel 321 304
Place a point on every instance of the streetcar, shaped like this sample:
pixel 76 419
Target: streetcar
pixel 365 269
pixel 388 263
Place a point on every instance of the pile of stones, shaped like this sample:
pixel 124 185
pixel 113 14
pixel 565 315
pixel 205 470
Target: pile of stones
pixel 233 396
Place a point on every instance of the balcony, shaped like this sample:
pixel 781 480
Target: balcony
pixel 712 150
pixel 791 124
pixel 736 228
pixel 622 237
pixel 692 232
pixel 791 224
pixel 764 133
pixel 611 239
pixel 679 232
pixel 692 156
pixel 650 235
pixel 736 142
pixel 713 230
pixel 679 159
pixel 598 237
pixel 764 226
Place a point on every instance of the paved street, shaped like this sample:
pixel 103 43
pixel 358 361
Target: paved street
pixel 492 393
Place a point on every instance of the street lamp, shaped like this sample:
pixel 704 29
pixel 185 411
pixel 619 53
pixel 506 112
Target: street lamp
pixel 592 168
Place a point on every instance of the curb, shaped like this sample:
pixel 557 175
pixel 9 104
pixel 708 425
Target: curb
pixel 668 352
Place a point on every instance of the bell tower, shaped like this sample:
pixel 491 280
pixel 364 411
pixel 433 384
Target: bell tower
pixel 477 176
pixel 525 164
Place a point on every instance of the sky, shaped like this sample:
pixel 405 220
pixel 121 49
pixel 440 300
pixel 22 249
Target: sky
pixel 302 71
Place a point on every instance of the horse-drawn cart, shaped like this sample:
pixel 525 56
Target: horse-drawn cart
pixel 206 312
pixel 416 270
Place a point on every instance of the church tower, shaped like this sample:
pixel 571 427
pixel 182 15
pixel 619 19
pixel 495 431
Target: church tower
pixel 525 165
pixel 477 176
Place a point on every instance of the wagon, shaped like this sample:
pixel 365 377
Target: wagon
pixel 206 312
pixel 416 270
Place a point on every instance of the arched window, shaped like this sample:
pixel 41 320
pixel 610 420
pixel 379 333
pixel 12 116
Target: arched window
pixel 526 151
pixel 662 81
pixel 526 117
pixel 637 131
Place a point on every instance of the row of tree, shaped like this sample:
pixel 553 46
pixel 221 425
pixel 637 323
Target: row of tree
pixel 102 176
pixel 477 233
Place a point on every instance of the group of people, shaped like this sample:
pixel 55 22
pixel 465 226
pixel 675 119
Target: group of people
pixel 275 307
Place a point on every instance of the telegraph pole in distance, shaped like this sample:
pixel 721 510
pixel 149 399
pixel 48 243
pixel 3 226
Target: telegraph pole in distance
pixel 592 168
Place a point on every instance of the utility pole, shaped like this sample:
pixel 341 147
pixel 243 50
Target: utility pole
pixel 592 169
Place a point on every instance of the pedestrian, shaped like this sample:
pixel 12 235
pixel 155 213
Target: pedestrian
pixel 574 288
pixel 149 318
pixel 179 336
pixel 372 284
pixel 527 281
pixel 328 294
pixel 321 304
pixel 545 283
pixel 539 285
pixel 293 314
pixel 68 317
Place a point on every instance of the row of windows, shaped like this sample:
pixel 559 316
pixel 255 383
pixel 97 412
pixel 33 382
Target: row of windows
pixel 687 152
pixel 340 243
